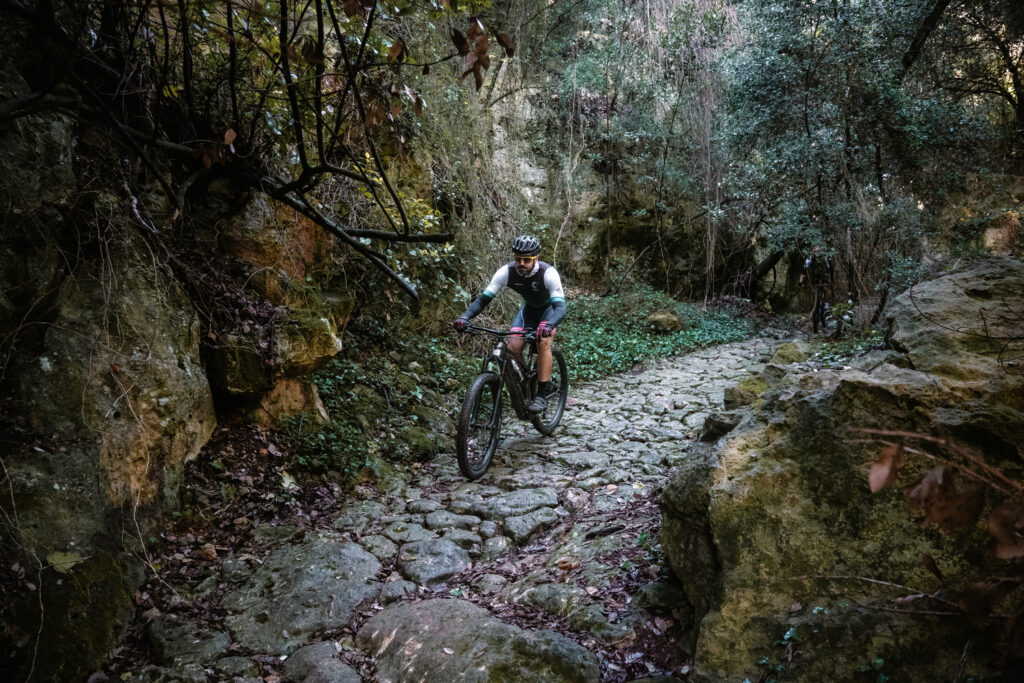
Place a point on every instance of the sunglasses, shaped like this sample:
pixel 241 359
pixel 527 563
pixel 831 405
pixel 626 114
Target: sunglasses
pixel 526 259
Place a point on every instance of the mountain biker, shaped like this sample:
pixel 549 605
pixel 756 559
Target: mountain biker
pixel 544 307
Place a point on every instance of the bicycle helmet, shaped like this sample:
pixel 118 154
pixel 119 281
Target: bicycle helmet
pixel 526 244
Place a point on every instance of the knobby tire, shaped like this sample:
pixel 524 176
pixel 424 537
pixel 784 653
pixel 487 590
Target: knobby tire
pixel 547 422
pixel 476 442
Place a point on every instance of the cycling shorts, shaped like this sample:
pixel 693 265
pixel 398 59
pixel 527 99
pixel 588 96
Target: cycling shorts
pixel 529 317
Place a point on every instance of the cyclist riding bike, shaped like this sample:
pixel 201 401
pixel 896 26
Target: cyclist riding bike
pixel 544 307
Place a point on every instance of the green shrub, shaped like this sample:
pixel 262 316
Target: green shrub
pixel 336 449
pixel 606 335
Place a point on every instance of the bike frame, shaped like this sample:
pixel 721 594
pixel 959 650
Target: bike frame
pixel 516 378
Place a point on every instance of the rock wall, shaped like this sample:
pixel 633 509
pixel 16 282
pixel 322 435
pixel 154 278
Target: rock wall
pixel 109 374
pixel 773 530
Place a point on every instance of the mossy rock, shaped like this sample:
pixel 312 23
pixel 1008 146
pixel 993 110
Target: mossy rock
pixel 791 352
pixel 664 321
pixel 956 325
pixel 744 392
pixel 304 343
pixel 422 443
pixel 785 496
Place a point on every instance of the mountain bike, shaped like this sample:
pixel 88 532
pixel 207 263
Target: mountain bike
pixel 478 433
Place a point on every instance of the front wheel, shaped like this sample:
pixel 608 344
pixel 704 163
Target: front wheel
pixel 479 426
pixel 547 421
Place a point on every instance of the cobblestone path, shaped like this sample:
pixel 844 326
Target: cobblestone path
pixel 548 568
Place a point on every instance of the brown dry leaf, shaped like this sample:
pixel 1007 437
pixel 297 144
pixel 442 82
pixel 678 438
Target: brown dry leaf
pixel 485 61
pixel 374 116
pixel 884 470
pixel 474 29
pixel 943 503
pixel 395 111
pixel 396 51
pixel 352 8
pixel 482 45
pixel 1005 524
pixel 932 566
pixel 461 44
pixel 984 595
pixel 208 552
pixel 292 54
pixel 419 107
pixel 567 564
pixel 506 43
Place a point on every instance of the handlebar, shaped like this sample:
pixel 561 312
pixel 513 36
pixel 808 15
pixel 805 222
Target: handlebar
pixel 472 329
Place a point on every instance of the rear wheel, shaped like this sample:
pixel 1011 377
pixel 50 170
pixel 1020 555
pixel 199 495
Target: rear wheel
pixel 479 426
pixel 547 421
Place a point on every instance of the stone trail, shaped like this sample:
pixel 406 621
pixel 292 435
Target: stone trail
pixel 546 569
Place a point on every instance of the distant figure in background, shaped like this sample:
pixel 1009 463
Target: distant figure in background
pixel 818 274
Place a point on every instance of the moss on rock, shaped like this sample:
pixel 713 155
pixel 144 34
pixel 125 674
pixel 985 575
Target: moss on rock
pixel 777 517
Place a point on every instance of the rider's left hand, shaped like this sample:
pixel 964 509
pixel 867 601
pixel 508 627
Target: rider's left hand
pixel 544 330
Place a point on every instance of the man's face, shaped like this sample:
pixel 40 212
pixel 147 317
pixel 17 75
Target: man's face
pixel 524 264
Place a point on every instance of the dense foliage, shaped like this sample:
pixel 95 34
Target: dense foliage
pixel 702 137
pixel 599 339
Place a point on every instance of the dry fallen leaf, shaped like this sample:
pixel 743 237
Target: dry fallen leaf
pixel 567 564
pixel 1005 524
pixel 944 503
pixel 884 470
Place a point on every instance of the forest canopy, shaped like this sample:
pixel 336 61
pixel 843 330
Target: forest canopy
pixel 724 135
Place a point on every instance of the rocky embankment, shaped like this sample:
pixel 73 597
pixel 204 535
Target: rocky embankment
pixel 547 569
pixel 795 568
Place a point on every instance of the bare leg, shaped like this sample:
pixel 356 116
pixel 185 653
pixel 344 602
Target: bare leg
pixel 544 359
pixel 515 347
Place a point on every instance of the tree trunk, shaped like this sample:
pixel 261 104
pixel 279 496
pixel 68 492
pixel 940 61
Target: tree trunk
pixel 760 270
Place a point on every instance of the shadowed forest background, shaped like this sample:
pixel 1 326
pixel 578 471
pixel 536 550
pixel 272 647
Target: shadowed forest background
pixel 224 220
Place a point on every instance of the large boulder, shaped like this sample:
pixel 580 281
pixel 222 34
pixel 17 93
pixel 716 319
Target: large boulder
pixel 454 640
pixel 961 326
pixel 776 537
pixel 301 590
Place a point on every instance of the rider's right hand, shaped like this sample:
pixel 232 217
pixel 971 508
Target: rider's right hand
pixel 460 324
